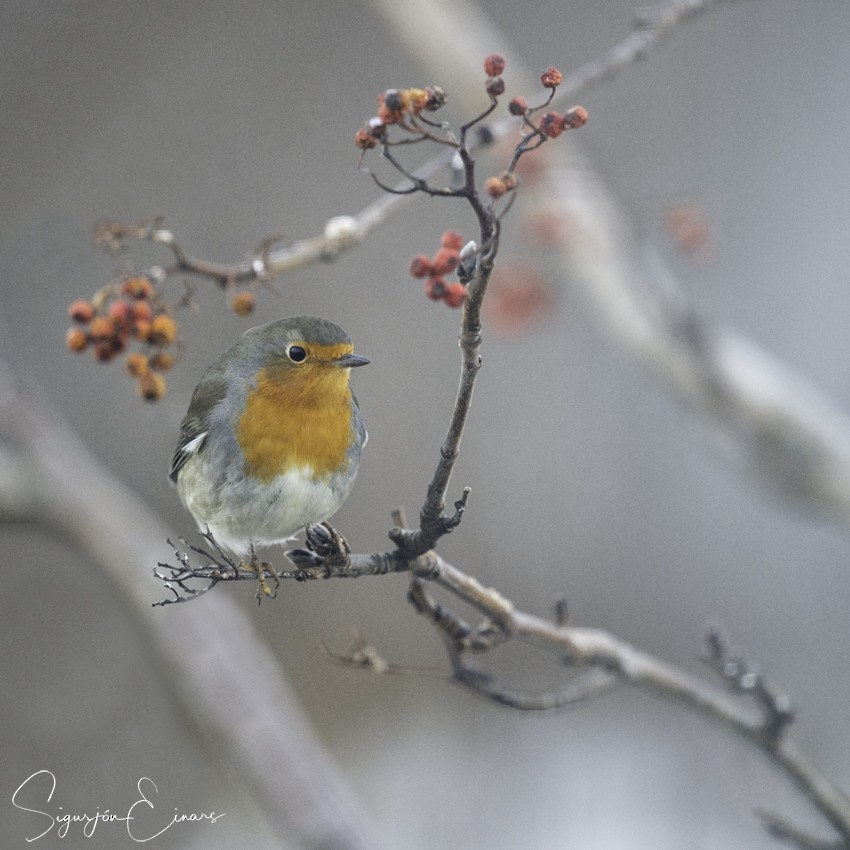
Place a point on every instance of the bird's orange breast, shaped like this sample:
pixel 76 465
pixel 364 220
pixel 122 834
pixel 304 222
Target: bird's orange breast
pixel 296 417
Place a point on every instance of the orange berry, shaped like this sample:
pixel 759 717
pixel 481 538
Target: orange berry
pixel 162 361
pixel 494 64
pixel 142 311
pixel 137 364
pixel 142 330
pixel 102 328
pixel 81 311
pixel 420 266
pixel 455 294
pixel 495 187
pixel 152 386
pixel 445 260
pixel 163 330
pixel 243 303
pixel 76 339
pixel 551 78
pixel 137 287
pixel 451 239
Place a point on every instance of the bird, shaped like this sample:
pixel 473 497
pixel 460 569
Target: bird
pixel 272 438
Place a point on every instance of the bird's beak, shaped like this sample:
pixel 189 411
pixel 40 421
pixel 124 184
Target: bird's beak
pixel 349 360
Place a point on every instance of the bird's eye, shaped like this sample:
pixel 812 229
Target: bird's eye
pixel 296 353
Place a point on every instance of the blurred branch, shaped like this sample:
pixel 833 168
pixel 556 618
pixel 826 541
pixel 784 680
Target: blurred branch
pixel 211 655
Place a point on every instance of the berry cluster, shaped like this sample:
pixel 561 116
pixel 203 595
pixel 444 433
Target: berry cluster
pixel 124 312
pixel 434 270
pixel 398 106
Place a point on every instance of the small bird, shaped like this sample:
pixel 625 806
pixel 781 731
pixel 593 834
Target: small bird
pixel 273 435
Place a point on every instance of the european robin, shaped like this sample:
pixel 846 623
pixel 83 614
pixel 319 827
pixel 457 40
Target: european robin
pixel 273 434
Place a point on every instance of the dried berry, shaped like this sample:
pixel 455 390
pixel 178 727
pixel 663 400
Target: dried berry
pixel 551 78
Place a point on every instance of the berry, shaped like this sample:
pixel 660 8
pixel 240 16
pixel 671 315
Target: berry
pixel 435 288
pixel 163 330
pixel 451 239
pixel 76 339
pixel 81 311
pixel 518 106
pixel 162 361
pixel 455 294
pixel 551 78
pixel 364 140
pixel 445 260
pixel 494 65
pixel 575 117
pixel 120 312
pixel 495 86
pixel 137 287
pixel 152 386
pixel 137 364
pixel 495 187
pixel 142 330
pixel 243 303
pixel 102 328
pixel 420 266
pixel 552 124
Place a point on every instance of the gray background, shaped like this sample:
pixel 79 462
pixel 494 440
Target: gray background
pixel 237 119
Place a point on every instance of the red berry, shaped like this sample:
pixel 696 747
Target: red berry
pixel 451 239
pixel 494 65
pixel 420 266
pixel 435 288
pixel 446 260
pixel 455 294
pixel 552 124
pixel 518 106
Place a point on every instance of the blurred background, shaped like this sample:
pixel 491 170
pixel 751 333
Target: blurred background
pixel 588 480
